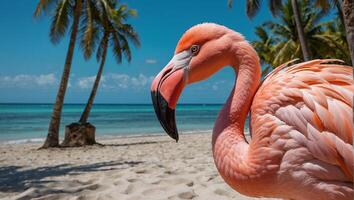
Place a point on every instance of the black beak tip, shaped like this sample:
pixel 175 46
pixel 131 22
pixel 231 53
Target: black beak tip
pixel 175 136
pixel 165 115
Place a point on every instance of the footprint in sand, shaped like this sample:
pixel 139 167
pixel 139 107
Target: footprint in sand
pixel 171 172
pixel 177 181
pixel 187 195
pixel 173 181
pixel 135 187
pixel 132 180
pixel 118 182
pixel 154 191
pixel 130 189
pixel 140 171
pixel 160 166
pixel 83 182
pixel 190 183
pixel 154 181
pixel 222 192
pixel 88 187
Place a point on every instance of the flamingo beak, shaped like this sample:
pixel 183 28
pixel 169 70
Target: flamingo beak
pixel 166 89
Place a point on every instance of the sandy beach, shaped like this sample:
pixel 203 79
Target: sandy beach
pixel 153 167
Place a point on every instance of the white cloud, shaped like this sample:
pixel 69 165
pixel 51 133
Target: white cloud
pixel 109 81
pixel 27 81
pixel 150 61
pixel 86 82
pixel 116 81
pixel 125 81
pixel 139 81
pixel 48 79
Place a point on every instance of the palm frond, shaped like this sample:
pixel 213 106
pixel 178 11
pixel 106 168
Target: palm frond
pixel 325 39
pixel 60 21
pixel 275 6
pixel 284 52
pixel 324 4
pixel 121 32
pixel 89 31
pixel 43 5
pixel 280 30
pixel 103 44
pixel 252 7
pixel 106 8
pixel 229 3
pixel 128 31
pixel 116 46
pixel 261 33
pixel 125 47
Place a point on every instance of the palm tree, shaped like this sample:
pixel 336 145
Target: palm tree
pixel 327 5
pixel 252 7
pixel 288 41
pixel 300 31
pixel 346 13
pixel 117 34
pixel 264 47
pixel 335 36
pixel 325 39
pixel 64 11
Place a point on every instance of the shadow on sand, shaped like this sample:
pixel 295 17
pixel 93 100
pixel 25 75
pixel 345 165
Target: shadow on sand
pixel 18 179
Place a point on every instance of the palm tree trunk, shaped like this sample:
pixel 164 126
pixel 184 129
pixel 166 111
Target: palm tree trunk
pixel 86 113
pixel 340 12
pixel 52 139
pixel 348 14
pixel 300 31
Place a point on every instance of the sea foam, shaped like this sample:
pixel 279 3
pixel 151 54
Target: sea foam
pixel 23 141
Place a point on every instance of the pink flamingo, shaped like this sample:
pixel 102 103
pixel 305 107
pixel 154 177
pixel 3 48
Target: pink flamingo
pixel 301 117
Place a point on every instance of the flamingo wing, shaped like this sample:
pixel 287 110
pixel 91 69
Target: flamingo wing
pixel 305 112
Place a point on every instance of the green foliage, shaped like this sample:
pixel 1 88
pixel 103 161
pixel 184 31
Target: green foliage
pixel 334 35
pixel 102 24
pixel 252 6
pixel 326 5
pixel 62 14
pixel 278 41
pixel 44 5
pixel 60 21
pixel 113 31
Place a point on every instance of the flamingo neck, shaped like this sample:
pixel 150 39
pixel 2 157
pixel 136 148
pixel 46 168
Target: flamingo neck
pixel 230 147
pixel 233 115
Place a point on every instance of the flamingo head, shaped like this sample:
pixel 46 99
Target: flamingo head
pixel 197 57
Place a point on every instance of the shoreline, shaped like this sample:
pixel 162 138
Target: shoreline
pixel 101 137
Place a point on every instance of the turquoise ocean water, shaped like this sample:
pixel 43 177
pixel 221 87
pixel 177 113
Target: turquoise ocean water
pixel 29 122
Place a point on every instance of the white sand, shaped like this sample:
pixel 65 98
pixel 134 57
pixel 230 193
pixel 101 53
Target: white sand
pixel 152 167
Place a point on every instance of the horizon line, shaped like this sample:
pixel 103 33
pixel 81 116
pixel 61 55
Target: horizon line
pixel 14 103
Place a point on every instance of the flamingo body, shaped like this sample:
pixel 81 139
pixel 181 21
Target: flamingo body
pixel 301 118
pixel 301 127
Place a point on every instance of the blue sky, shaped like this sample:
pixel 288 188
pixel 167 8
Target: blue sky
pixel 30 66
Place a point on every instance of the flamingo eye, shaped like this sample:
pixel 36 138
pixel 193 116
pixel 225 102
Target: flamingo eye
pixel 194 49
